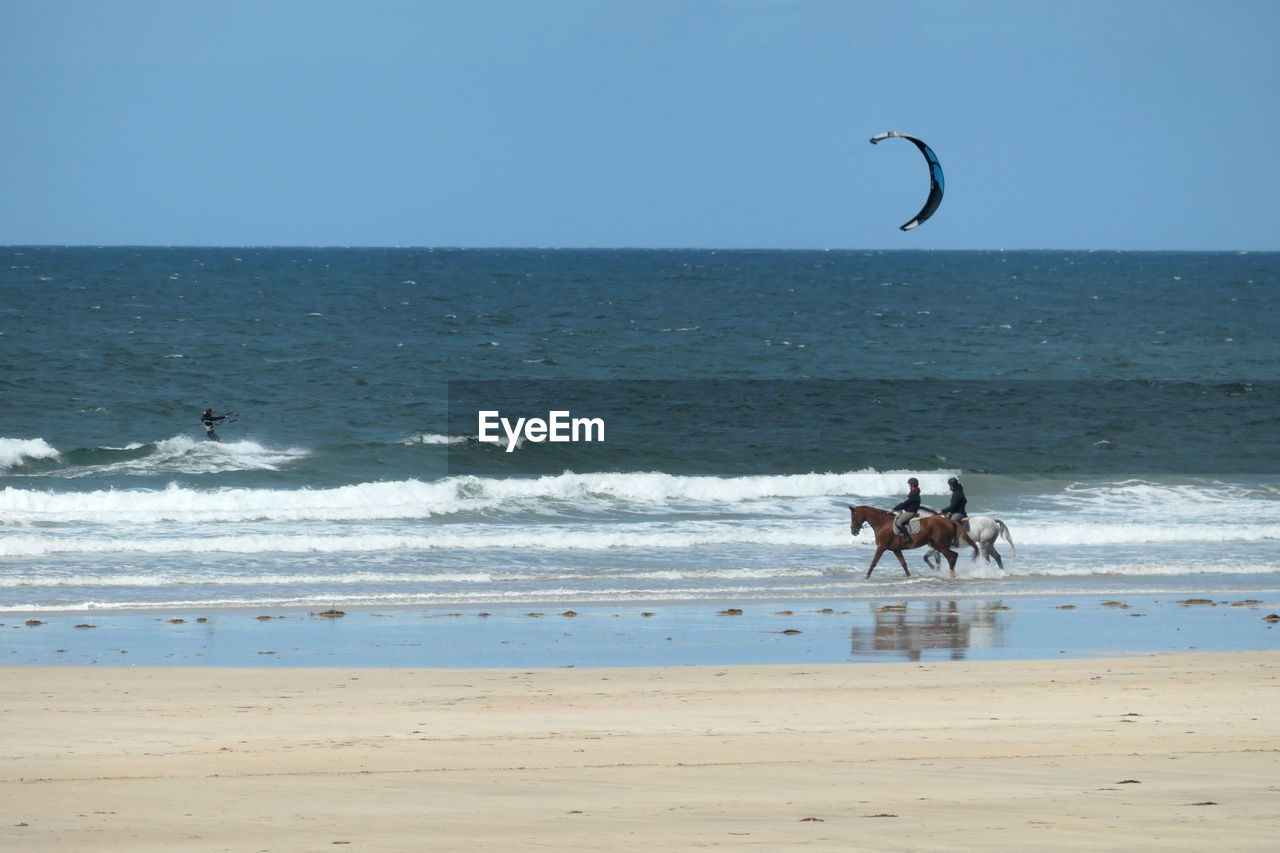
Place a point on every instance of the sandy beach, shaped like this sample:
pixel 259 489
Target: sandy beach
pixel 1175 751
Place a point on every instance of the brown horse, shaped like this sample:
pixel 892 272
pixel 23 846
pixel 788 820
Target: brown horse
pixel 935 531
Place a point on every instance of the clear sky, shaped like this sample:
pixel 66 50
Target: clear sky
pixel 1077 124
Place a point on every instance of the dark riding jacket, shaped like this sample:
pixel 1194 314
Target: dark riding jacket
pixel 912 503
pixel 958 502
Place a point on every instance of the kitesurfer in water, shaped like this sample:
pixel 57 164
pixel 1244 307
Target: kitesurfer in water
pixel 907 510
pixel 956 509
pixel 209 419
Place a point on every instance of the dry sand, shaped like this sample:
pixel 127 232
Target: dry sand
pixel 1168 752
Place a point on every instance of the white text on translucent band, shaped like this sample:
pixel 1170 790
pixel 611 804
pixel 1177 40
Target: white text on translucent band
pixel 557 426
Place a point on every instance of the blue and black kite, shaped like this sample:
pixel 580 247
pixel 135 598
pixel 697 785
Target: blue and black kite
pixel 935 178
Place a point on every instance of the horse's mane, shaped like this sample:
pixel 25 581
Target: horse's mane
pixel 876 510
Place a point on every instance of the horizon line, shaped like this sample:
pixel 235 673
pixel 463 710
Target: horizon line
pixel 498 248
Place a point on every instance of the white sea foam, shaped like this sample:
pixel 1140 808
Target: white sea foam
pixel 388 579
pixel 1143 532
pixel 433 438
pixel 162 579
pixel 573 536
pixel 597 537
pixel 177 455
pixel 17 451
pixel 417 499
pixel 1147 497
pixel 364 502
pixel 450 538
pixel 185 455
pixel 656 488
pixel 1131 512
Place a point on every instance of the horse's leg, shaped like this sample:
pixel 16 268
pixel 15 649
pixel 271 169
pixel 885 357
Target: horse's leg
pixel 999 562
pixel 903 561
pixel 930 558
pixel 951 560
pixel 875 559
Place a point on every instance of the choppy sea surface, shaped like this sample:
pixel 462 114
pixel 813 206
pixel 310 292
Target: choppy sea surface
pixel 1117 411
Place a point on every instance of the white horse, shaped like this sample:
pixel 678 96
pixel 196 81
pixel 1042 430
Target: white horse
pixel 984 531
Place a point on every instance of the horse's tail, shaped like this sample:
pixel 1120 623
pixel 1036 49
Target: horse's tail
pixel 963 536
pixel 1004 531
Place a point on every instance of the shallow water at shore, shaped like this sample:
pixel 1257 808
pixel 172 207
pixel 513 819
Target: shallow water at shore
pixel 1128 444
pixel 660 634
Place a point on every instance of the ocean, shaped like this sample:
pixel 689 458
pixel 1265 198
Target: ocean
pixel 1118 411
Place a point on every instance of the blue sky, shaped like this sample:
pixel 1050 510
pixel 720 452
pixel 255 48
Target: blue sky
pixel 1081 124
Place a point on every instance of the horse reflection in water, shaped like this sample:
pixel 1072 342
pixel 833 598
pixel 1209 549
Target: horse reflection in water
pixel 913 628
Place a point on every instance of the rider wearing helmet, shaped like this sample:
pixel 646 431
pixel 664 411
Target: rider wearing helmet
pixel 907 510
pixel 956 509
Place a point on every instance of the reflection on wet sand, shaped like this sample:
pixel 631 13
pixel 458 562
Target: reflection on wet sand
pixel 909 629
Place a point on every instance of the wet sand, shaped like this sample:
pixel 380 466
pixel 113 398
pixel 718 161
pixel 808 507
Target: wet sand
pixel 1176 752
pixel 876 730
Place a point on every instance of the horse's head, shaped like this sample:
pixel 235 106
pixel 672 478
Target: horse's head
pixel 855 521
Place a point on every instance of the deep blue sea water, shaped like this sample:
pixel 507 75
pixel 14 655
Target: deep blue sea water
pixel 1118 411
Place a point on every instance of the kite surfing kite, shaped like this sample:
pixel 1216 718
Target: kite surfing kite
pixel 935 178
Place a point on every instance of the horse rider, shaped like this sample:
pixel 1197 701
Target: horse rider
pixel 956 509
pixel 907 510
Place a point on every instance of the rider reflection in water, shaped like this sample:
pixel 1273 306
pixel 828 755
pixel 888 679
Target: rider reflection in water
pixel 907 510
